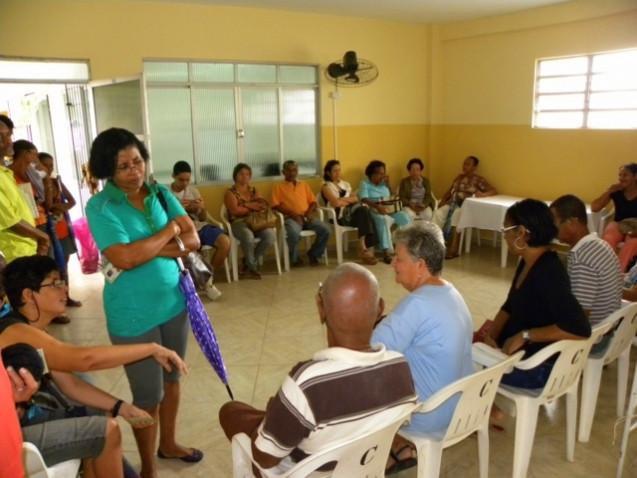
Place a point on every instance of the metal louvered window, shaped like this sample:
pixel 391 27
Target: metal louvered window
pixel 214 115
pixel 596 91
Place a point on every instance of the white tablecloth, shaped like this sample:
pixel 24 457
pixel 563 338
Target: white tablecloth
pixel 488 213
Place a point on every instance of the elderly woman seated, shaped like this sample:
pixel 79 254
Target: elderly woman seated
pixel 431 327
pixel 374 192
pixel 37 294
pixel 415 192
pixel 466 184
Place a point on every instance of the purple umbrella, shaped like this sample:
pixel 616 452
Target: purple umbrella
pixel 201 326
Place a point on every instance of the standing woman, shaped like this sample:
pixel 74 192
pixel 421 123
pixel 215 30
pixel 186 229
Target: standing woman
pixel 624 197
pixel 142 300
pixel 415 192
pixel 349 211
pixel 59 201
pixel 373 191
pixel 240 200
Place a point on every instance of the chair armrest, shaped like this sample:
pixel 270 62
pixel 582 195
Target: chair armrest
pixel 486 355
pixel 330 211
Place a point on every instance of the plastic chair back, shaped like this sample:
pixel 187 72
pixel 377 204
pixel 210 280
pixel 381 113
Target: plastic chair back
pixel 625 332
pixel 567 367
pixel 477 392
pixel 365 456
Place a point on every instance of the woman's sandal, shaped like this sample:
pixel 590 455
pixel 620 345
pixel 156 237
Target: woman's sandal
pixel 400 465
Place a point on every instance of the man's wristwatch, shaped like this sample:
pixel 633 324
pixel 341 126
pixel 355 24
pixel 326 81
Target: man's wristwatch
pixel 526 335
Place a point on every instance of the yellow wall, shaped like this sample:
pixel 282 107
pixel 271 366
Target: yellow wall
pixel 483 99
pixel 444 91
pixel 384 120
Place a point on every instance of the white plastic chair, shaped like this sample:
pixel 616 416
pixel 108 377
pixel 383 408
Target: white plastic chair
pixel 618 349
pixel 630 424
pixel 339 231
pixel 365 456
pixel 34 466
pixel 235 244
pixel 206 250
pixel 477 392
pixel 563 380
pixel 305 234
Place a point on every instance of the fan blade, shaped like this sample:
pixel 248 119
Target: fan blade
pixel 335 70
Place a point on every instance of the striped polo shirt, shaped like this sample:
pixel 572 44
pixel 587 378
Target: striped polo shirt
pixel 596 278
pixel 338 395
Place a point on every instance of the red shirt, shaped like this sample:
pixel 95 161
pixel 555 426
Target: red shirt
pixel 11 435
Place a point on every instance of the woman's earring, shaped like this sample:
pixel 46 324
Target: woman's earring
pixel 515 243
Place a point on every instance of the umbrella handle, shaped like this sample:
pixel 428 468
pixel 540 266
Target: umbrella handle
pixel 181 246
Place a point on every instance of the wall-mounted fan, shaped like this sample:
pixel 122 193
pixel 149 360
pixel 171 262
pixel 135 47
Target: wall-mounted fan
pixel 352 71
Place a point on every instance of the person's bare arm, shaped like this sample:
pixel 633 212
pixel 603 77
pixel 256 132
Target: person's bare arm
pixel 630 294
pixel 333 199
pixel 188 236
pixel 499 321
pixel 131 255
pixel 310 210
pixel 600 203
pixel 23 228
pixel 550 333
pixel 70 358
pixel 232 205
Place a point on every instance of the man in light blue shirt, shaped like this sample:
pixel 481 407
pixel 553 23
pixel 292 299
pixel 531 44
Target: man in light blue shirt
pixel 431 327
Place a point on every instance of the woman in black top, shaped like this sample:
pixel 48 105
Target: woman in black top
pixel 624 197
pixel 540 308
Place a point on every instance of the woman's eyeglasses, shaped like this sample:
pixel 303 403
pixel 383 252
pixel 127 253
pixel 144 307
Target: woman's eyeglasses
pixel 504 229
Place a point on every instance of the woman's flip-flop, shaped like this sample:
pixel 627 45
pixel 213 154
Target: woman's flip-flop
pixel 400 465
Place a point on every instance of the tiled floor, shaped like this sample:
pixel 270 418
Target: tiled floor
pixel 265 327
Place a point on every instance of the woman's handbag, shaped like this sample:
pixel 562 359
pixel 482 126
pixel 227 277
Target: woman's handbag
pixel 260 220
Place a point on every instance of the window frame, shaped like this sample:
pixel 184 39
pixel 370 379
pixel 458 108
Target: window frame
pixel 236 86
pixel 587 92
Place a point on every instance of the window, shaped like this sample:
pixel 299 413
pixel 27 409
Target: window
pixel 597 91
pixel 214 115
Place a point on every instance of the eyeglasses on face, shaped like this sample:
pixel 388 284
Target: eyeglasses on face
pixel 504 229
pixel 125 168
pixel 57 284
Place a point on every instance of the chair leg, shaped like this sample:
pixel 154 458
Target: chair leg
pixel 429 459
pixel 277 256
pixel 286 252
pixel 483 451
pixel 226 266
pixel 234 253
pixel 525 424
pixel 591 379
pixel 571 421
pixel 623 364
pixel 478 238
pixel 628 423
pixel 338 239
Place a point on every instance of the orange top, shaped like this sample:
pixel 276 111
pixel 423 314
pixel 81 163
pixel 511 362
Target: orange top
pixel 296 197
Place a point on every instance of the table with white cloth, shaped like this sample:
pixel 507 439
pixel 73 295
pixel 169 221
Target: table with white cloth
pixel 488 213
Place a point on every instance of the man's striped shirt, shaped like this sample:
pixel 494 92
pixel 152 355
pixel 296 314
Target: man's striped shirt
pixel 338 395
pixel 596 278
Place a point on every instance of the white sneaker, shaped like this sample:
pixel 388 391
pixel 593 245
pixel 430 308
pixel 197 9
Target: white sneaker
pixel 212 292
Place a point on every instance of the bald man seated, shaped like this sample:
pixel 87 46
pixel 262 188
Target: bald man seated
pixel 343 392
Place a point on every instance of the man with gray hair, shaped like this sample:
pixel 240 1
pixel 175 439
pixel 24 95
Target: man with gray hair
pixel 431 327
pixel 343 392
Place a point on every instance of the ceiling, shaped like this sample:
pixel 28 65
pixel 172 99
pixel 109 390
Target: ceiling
pixel 420 11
